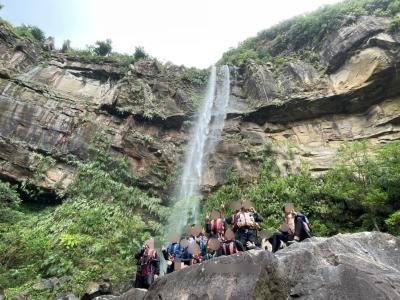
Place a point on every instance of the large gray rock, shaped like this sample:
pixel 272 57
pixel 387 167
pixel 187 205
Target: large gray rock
pixel 259 83
pixel 132 294
pixel 346 266
pixel 146 68
pixel 349 37
pixel 349 266
pixel 303 72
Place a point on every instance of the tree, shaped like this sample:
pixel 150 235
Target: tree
pixel 140 53
pixel 103 48
pixel 31 32
pixel 37 33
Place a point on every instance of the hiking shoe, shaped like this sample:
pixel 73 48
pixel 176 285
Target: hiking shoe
pixel 292 242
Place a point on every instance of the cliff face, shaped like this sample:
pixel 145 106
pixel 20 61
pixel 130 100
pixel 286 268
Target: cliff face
pixel 53 104
pixel 351 92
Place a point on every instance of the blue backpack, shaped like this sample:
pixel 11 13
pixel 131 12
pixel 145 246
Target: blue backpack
pixel 174 249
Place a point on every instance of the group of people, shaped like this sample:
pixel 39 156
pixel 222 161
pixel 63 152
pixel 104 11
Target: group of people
pixel 222 236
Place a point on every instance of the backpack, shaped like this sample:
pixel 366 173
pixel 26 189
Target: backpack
pixel 304 218
pixel 218 227
pixel 229 249
pixel 144 268
pixel 245 219
pixel 174 250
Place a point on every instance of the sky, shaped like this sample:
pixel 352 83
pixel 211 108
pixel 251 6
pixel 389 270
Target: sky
pixel 189 32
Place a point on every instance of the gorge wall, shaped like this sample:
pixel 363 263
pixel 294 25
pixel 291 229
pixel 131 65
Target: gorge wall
pixel 52 105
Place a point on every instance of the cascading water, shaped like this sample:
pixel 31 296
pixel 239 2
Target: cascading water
pixel 205 135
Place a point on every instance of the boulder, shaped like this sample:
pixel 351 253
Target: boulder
pixel 132 294
pixel 348 37
pixel 303 72
pixel 359 69
pixel 145 67
pixel 383 40
pixel 21 296
pixel 347 266
pixel 44 284
pixel 245 275
pixel 68 297
pixel 260 83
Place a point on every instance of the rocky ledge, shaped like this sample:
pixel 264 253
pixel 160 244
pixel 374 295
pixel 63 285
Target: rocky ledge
pixel 347 266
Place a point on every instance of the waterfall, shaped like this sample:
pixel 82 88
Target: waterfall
pixel 204 137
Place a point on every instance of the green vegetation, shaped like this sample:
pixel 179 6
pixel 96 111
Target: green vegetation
pixel 307 32
pixel 102 221
pixel 33 33
pixel 394 25
pixel 194 76
pixel 103 48
pixel 360 193
pixel 30 32
pixel 9 197
pixel 140 53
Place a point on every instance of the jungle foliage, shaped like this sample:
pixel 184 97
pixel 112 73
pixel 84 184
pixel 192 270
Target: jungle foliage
pixel 361 193
pixel 102 221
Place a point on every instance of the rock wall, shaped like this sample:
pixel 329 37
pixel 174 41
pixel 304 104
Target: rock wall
pixel 306 114
pixel 52 105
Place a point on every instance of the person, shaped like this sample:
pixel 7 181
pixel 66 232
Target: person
pixel 171 253
pixel 217 226
pixel 295 228
pixel 212 247
pixel 246 221
pixel 230 245
pixel 231 220
pixel 148 266
pixel 197 237
pixel 185 256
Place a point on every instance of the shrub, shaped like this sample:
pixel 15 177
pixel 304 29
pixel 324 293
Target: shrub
pixel 103 220
pixel 361 192
pixel 103 48
pixel 9 197
pixel 140 53
pixel 394 25
pixel 33 33
pixel 194 76
pixel 393 222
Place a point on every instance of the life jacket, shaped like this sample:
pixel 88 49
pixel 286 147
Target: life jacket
pixel 218 227
pixel 229 248
pixel 144 267
pixel 245 219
